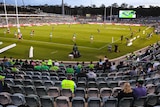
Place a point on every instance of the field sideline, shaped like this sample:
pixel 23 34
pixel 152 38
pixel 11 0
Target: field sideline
pixel 59 45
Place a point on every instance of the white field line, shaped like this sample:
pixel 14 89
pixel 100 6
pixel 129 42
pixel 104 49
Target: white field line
pixel 54 52
pixel 70 45
pixel 129 34
pixel 49 43
pixel 103 47
pixel 7 48
pixel 118 40
pixel 112 43
pixel 147 28
pixel 116 28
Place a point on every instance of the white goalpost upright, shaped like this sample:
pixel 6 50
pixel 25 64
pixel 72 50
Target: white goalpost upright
pixel 5 10
pixel 18 26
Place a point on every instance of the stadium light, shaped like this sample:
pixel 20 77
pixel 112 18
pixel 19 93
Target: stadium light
pixel 91 4
pixel 111 14
pixel 105 14
pixel 62 7
pixel 23 3
pixel 18 26
pixel 5 10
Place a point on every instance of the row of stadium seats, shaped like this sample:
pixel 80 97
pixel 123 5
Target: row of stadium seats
pixel 114 76
pixel 83 82
pixel 18 99
pixel 90 92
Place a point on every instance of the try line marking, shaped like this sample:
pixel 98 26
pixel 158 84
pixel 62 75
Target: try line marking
pixel 33 41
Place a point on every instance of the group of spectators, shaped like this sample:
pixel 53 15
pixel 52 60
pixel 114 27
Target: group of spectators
pixel 54 18
pixel 127 91
pixel 136 92
pixel 141 63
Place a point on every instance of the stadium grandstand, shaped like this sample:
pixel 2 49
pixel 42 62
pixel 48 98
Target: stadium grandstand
pixel 29 82
pixel 30 15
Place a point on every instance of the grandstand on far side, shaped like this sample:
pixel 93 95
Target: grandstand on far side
pixel 31 15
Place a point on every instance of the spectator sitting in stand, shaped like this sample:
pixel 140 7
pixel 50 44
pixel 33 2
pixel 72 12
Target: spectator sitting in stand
pixel 139 91
pixel 14 69
pixel 49 63
pixel 99 65
pixel 140 71
pixel 54 68
pixel 44 62
pixel 91 74
pixel 113 67
pixel 120 65
pixel 56 63
pixel 6 63
pixel 106 65
pixel 126 91
pixel 32 63
pixel 44 67
pixel 78 67
pixel 68 83
pixel 91 65
pixel 133 71
pixel 156 64
pixel 150 69
pixel 70 70
pixel 37 67
pixel 62 65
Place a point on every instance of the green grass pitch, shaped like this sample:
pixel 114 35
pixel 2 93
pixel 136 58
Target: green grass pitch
pixel 60 45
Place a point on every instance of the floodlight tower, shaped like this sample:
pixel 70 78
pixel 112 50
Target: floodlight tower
pixel 63 7
pixel 18 26
pixel 5 10
pixel 91 3
pixel 105 14
pixel 111 14
pixel 23 3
